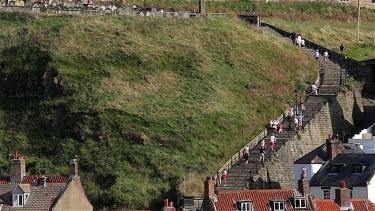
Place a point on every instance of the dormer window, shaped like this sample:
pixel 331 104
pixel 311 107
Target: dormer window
pixel 20 195
pixel 357 168
pixel 277 205
pixel 245 206
pixel 299 202
pixel 335 168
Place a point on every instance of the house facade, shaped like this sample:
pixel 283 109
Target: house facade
pixel 58 192
pixel 281 199
pixel 313 161
pixel 356 170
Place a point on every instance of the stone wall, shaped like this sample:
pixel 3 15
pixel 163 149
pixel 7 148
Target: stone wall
pixel 338 113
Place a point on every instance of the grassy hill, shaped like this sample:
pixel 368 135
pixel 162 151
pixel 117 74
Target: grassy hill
pixel 149 107
pixel 332 34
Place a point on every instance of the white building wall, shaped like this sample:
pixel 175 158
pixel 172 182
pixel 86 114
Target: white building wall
pixel 358 192
pixel 311 169
pixel 371 190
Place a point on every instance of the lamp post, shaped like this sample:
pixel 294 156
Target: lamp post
pixel 358 18
pixel 295 108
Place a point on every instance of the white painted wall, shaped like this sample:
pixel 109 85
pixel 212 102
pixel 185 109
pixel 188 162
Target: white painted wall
pixel 317 192
pixel 311 169
pixel 371 190
pixel 358 192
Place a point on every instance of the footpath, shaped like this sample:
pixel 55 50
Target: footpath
pixel 240 175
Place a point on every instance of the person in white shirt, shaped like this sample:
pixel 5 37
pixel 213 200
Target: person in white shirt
pixel 302 43
pixel 317 55
pixel 325 54
pixel 272 141
pixel 314 89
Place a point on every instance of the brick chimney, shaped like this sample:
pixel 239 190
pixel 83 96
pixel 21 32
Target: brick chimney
pixel 17 168
pixel 168 206
pixel 73 167
pixel 209 188
pixel 334 147
pixel 343 196
pixel 303 184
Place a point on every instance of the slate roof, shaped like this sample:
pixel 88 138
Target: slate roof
pixel 260 198
pixel 331 205
pixel 320 155
pixel 41 197
pixel 324 178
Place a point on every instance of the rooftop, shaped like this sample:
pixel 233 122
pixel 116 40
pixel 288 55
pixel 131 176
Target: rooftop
pixel 331 205
pixel 320 155
pixel 343 166
pixel 260 198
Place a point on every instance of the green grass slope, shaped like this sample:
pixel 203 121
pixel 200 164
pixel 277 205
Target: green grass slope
pixel 332 33
pixel 149 107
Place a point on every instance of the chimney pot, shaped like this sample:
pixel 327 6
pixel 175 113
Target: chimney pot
pixel 303 184
pixel 73 167
pixel 166 203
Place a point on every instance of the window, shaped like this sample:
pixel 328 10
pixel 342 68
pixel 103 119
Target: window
pixel 357 168
pixel 277 205
pixel 334 168
pixel 245 205
pixel 17 200
pixel 326 194
pixel 299 203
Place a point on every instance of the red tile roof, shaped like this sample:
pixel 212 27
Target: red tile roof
pixel 54 178
pixel 331 205
pixel 363 204
pixel 260 198
pixel 326 205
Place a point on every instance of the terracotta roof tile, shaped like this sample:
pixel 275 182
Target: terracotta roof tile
pixel 54 178
pixel 259 198
pixel 363 204
pixel 326 205
pixel 331 205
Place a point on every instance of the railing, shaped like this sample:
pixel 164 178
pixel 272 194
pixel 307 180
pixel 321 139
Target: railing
pixel 107 11
pixel 351 65
pixel 238 155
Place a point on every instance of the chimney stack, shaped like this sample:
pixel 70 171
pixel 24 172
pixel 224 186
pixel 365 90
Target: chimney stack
pixel 73 167
pixel 209 188
pixel 334 147
pixel 168 206
pixel 42 181
pixel 303 184
pixel 343 196
pixel 17 168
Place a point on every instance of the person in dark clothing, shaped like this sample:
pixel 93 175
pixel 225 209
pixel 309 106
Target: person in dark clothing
pixel 293 37
pixel 262 152
pixel 342 48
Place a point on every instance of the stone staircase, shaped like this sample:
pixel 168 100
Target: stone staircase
pixel 241 176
